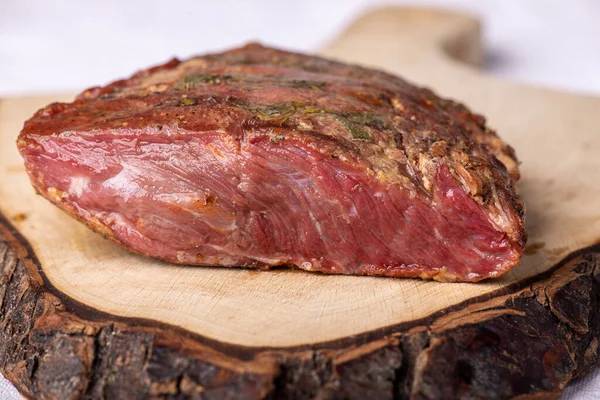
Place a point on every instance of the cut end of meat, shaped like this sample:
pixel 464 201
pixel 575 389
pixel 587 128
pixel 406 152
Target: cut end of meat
pixel 258 157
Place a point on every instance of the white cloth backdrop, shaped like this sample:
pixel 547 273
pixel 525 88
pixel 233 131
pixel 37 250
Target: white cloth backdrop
pixel 62 45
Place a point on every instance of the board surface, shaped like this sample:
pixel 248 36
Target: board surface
pixel 234 317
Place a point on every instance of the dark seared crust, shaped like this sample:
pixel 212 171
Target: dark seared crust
pixel 373 120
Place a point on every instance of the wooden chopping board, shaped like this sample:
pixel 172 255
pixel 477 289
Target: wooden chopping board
pixel 80 316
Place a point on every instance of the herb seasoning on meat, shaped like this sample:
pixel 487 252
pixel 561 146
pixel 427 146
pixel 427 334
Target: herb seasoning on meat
pixel 258 157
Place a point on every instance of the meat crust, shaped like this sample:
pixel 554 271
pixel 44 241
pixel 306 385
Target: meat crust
pixel 258 157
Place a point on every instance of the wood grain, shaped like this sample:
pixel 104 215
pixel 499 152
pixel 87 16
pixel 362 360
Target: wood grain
pixel 525 341
pixel 80 317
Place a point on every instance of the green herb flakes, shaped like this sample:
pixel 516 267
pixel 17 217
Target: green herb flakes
pixel 188 102
pixel 193 80
pixel 304 84
pixel 357 131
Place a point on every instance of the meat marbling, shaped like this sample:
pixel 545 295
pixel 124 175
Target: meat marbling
pixel 258 157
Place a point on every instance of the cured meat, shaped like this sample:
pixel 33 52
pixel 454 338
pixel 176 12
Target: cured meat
pixel 258 157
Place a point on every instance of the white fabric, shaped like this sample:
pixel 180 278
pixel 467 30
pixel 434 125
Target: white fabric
pixel 50 46
pixel 586 388
pixel 8 391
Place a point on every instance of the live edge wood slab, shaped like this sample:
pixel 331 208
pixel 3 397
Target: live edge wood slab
pixel 82 318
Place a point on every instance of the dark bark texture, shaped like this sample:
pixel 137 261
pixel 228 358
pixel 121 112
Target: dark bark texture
pixel 526 341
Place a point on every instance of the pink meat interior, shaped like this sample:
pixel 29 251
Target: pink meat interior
pixel 205 198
